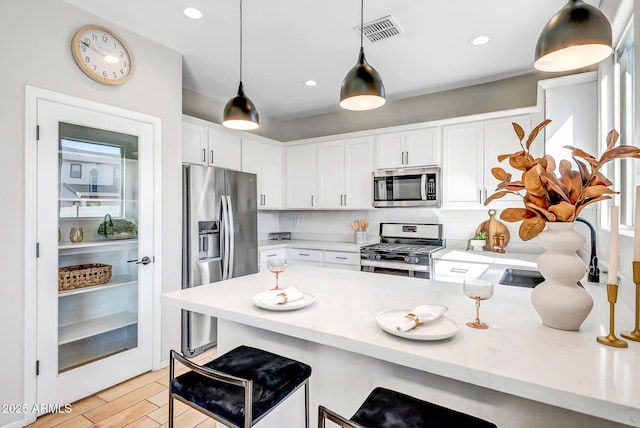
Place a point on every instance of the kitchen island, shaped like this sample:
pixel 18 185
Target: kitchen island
pixel 518 373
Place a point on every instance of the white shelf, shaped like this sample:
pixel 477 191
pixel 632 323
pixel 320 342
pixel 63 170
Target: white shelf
pixel 117 281
pixel 92 327
pixel 69 248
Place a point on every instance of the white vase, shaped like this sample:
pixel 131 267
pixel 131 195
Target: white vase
pixel 559 301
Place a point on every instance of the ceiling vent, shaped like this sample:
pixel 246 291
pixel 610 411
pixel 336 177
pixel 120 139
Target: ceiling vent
pixel 380 29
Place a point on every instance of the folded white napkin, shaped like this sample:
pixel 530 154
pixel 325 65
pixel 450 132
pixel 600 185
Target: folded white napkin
pixel 420 315
pixel 280 297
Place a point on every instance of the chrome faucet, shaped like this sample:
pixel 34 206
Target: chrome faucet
pixel 594 271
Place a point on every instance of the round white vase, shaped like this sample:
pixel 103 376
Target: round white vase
pixel 559 301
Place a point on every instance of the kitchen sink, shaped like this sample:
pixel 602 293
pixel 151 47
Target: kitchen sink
pixel 521 278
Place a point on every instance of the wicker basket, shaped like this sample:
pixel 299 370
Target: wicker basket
pixel 78 276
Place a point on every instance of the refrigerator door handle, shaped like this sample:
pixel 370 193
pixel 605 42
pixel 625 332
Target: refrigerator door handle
pixel 225 235
pixel 232 236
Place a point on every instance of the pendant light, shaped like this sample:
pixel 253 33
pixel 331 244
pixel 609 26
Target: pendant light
pixel 577 36
pixel 240 112
pixel 362 87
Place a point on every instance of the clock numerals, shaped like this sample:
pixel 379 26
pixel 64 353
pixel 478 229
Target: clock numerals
pixel 101 55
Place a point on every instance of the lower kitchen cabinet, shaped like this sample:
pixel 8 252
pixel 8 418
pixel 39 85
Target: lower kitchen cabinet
pixel 303 256
pixel 265 255
pixel 341 260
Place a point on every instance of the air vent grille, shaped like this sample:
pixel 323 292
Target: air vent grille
pixel 380 29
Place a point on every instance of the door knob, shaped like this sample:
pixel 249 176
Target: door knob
pixel 145 261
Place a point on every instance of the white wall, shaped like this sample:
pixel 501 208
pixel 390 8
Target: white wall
pixel 36 37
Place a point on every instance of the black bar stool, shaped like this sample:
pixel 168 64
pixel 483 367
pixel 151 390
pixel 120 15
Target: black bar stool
pixel 384 408
pixel 240 387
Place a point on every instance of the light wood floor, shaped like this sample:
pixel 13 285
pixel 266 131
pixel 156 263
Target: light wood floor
pixel 140 402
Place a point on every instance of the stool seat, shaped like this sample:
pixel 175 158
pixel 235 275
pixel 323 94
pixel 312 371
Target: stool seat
pixel 385 408
pixel 273 379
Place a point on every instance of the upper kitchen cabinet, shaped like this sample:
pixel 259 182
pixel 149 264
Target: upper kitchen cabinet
pixel 209 144
pixel 470 150
pixel 420 147
pixel 344 173
pixel 301 176
pixel 265 160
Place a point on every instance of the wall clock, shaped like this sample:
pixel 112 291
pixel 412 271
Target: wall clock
pixel 102 55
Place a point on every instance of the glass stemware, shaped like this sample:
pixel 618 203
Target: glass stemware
pixel 277 266
pixel 477 289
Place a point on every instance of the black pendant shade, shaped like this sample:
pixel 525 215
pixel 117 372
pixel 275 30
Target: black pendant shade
pixel 577 36
pixel 362 87
pixel 240 112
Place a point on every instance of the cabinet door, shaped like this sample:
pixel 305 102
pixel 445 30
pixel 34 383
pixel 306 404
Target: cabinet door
pixel 390 150
pixel 301 176
pixel 331 170
pixel 264 160
pixel 422 147
pixel 225 150
pixel 194 144
pixel 499 139
pixel 358 181
pixel 462 165
pixel 93 335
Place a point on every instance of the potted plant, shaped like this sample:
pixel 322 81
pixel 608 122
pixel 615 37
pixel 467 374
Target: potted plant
pixel 552 201
pixel 478 242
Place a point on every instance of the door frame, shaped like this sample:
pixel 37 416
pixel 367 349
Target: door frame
pixel 32 95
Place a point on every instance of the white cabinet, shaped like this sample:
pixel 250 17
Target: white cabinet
pixel 264 160
pixel 306 257
pixel 471 150
pixel 301 176
pixel 420 147
pixel 344 173
pixel 209 144
pixel 341 260
pixel 265 255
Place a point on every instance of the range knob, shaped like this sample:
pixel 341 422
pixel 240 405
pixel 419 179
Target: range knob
pixel 411 259
pixel 377 256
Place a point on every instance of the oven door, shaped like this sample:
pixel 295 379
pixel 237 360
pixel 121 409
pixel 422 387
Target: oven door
pixel 396 268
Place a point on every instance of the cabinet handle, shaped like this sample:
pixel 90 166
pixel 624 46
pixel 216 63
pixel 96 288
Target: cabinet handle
pixel 485 194
pixel 211 156
pixel 402 161
pixel 341 258
pixel 345 199
pixel 264 200
pixel 303 254
pixel 204 155
pixel 272 255
pixel 480 194
pixel 341 202
pixel 407 157
pixel 311 200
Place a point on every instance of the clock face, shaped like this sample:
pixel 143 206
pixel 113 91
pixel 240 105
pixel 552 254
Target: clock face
pixel 102 55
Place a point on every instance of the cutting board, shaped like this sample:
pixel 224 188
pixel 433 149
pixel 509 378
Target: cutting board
pixel 493 227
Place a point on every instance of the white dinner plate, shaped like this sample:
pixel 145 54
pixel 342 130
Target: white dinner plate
pixel 289 306
pixel 442 328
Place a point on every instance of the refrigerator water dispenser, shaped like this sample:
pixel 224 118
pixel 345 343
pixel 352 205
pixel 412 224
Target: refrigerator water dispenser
pixel 208 240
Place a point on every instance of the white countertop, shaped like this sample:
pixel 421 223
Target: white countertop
pixel 516 355
pixel 311 245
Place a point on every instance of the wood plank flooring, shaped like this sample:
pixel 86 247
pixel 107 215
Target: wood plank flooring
pixel 141 402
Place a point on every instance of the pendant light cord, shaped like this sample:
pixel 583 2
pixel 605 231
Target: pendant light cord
pixel 240 41
pixel 361 23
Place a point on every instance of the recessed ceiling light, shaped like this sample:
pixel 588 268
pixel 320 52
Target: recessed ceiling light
pixel 193 13
pixel 311 83
pixel 480 40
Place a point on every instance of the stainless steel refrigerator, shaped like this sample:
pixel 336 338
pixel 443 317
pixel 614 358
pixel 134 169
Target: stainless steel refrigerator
pixel 219 229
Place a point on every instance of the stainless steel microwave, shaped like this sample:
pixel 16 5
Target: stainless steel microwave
pixel 415 187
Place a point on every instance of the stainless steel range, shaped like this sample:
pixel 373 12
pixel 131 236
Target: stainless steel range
pixel 405 249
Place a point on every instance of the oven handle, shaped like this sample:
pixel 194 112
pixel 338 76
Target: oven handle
pixel 395 265
pixel 423 187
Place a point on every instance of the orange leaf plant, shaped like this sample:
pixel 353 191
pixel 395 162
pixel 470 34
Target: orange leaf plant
pixel 549 196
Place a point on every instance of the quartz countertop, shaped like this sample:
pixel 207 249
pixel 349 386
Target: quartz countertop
pixel 517 355
pixel 311 245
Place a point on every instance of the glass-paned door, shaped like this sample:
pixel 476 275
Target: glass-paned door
pixel 95 181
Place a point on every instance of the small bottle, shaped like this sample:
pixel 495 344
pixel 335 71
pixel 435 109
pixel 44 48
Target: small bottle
pixel 94 180
pixel 496 244
pixel 501 241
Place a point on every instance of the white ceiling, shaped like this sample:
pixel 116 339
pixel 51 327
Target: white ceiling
pixel 287 42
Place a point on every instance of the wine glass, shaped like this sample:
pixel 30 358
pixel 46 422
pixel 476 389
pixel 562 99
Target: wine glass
pixel 277 266
pixel 477 289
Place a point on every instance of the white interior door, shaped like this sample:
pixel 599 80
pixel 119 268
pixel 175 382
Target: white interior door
pixel 91 164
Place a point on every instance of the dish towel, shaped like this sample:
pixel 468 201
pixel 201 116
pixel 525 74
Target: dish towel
pixel 281 297
pixel 421 315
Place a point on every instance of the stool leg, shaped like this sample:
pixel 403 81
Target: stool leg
pixel 306 404
pixel 170 411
